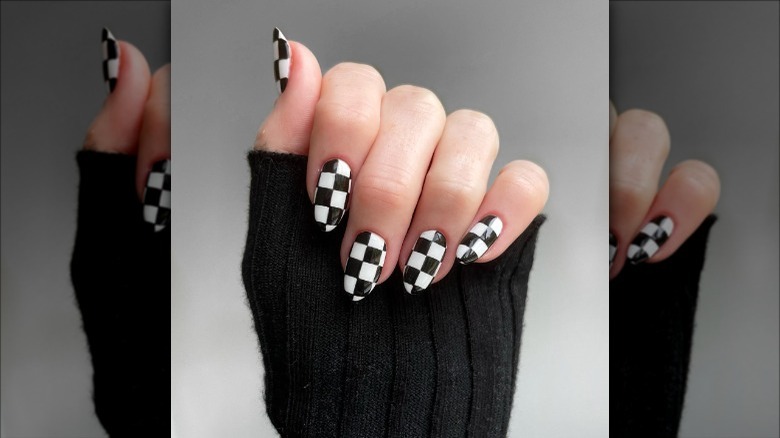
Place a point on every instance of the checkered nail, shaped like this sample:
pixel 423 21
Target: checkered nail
pixel 110 59
pixel 332 194
pixel 477 241
pixel 281 60
pixel 650 239
pixel 364 265
pixel 612 248
pixel 425 261
pixel 157 195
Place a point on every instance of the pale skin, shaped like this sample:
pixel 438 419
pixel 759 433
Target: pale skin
pixel 638 147
pixel 415 167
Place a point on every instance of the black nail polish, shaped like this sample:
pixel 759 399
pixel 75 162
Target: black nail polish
pixel 157 195
pixel 332 194
pixel 425 261
pixel 110 59
pixel 364 266
pixel 650 239
pixel 477 241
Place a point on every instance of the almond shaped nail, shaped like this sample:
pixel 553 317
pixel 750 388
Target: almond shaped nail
pixel 481 237
pixel 332 194
pixel 425 261
pixel 650 239
pixel 157 195
pixel 281 60
pixel 110 59
pixel 364 266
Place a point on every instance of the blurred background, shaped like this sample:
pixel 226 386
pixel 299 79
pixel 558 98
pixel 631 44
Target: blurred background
pixel 710 69
pixel 51 88
pixel 538 68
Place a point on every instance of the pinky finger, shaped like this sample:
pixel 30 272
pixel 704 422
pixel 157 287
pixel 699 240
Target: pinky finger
pixel 688 196
pixel 516 197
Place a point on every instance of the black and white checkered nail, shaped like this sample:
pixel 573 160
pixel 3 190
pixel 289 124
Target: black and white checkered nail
pixel 425 261
pixel 281 60
pixel 652 236
pixel 612 248
pixel 364 265
pixel 110 59
pixel 477 241
pixel 332 194
pixel 157 195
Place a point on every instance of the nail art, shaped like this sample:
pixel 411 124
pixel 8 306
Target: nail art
pixel 612 248
pixel 157 195
pixel 364 265
pixel 281 60
pixel 425 261
pixel 332 193
pixel 110 59
pixel 479 239
pixel 652 236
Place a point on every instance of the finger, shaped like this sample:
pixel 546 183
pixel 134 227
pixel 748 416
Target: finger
pixel 117 125
pixel 637 153
pixel 346 123
pixel 388 186
pixel 153 171
pixel 518 194
pixel 458 176
pixel 688 196
pixel 288 127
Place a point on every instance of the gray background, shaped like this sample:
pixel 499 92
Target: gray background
pixel 52 87
pixel 711 70
pixel 539 68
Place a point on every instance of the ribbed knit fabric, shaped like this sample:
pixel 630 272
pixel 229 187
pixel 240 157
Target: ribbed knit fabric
pixel 121 274
pixel 440 364
pixel 652 309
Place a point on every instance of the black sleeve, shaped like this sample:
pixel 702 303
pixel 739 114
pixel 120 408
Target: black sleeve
pixel 121 275
pixel 442 363
pixel 652 309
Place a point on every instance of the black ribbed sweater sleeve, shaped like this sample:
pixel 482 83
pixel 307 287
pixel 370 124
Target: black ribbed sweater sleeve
pixel 652 310
pixel 121 273
pixel 439 364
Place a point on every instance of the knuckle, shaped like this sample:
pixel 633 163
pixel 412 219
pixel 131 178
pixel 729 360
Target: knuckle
pixel 629 194
pixel 387 192
pixel 458 193
pixel 526 178
pixel 352 73
pixel 422 102
pixel 477 128
pixel 347 115
pixel 698 176
pixel 646 123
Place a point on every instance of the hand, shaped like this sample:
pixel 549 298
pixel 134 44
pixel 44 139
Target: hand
pixel 409 173
pixel 648 224
pixel 136 119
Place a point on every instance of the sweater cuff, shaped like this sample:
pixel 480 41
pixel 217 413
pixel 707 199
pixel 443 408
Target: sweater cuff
pixel 653 309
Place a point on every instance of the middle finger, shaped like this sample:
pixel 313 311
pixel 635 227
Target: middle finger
pixel 388 186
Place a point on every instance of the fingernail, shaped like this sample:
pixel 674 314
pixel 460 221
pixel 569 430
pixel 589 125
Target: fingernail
pixel 612 248
pixel 281 60
pixel 425 261
pixel 364 265
pixel 157 195
pixel 479 239
pixel 652 236
pixel 332 193
pixel 110 59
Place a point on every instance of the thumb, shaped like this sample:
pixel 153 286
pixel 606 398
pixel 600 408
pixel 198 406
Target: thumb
pixel 288 127
pixel 127 77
